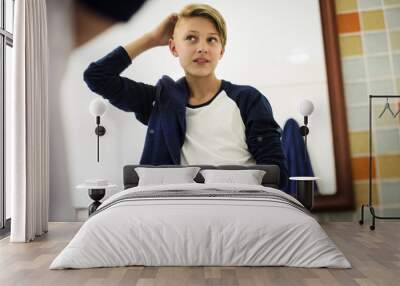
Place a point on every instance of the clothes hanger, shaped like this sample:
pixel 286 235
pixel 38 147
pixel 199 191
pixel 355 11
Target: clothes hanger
pixel 397 113
pixel 387 106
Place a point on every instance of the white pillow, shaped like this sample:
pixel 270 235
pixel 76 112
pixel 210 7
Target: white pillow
pixel 248 177
pixel 162 176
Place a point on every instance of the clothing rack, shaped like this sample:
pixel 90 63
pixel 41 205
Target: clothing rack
pixel 370 204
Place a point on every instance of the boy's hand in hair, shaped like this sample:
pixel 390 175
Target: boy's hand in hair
pixel 159 36
pixel 164 31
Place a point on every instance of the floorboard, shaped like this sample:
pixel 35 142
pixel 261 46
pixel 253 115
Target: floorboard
pixel 374 255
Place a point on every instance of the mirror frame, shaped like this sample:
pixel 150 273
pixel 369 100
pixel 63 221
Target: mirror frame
pixel 343 199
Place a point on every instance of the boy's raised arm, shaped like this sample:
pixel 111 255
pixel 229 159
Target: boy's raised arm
pixel 103 76
pixel 140 45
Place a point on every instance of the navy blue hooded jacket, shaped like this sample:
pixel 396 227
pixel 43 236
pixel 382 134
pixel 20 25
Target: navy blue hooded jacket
pixel 293 146
pixel 163 109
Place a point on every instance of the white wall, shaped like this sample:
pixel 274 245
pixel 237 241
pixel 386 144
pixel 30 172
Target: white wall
pixel 275 46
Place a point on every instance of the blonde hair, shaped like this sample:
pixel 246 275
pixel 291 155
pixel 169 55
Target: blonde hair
pixel 208 12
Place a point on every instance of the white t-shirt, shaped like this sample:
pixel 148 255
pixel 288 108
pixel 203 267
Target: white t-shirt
pixel 215 134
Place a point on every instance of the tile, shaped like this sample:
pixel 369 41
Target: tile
pixel 378 66
pixel 348 23
pixel 389 192
pixel 380 87
pixel 388 166
pixel 367 4
pixel 357 118
pixel 361 192
pixel 360 168
pixel 350 46
pixel 393 17
pixel 372 20
pixel 353 69
pixel 375 43
pixel 387 141
pixel 391 2
pixel 395 40
pixel 356 93
pixel 345 5
pixel 359 142
pixel 396 64
pixel 392 210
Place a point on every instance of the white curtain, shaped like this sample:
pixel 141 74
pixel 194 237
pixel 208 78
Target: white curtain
pixel 27 123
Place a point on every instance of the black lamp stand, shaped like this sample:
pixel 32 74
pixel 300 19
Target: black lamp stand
pixel 305 188
pixel 100 131
pixel 304 132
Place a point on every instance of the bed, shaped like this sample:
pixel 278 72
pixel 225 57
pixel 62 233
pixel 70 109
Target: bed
pixel 201 224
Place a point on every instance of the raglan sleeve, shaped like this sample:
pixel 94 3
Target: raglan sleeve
pixel 103 77
pixel 263 134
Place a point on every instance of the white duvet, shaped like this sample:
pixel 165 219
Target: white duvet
pixel 200 231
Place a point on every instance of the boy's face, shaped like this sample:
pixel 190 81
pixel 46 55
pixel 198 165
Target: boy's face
pixel 197 44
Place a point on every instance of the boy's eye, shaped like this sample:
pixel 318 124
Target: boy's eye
pixel 190 37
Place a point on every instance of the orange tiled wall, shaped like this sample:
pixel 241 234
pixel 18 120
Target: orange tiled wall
pixel 369 37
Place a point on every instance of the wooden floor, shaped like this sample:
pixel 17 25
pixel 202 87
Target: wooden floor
pixel 374 255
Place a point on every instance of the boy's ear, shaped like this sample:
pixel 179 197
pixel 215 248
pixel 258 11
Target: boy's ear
pixel 172 47
pixel 222 53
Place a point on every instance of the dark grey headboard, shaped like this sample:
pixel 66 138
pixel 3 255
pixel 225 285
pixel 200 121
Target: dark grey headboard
pixel 271 177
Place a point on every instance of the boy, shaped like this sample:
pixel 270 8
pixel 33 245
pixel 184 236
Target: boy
pixel 198 119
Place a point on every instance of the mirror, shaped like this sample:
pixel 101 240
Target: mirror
pixel 287 49
pixel 344 196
